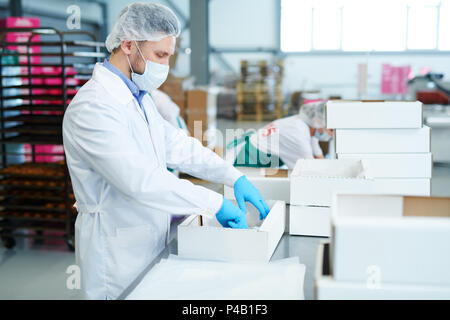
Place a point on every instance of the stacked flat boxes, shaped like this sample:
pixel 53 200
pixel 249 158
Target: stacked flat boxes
pixel 392 140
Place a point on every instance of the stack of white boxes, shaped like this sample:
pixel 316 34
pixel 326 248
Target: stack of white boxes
pixel 390 138
pixel 386 247
pixel 313 183
pixel 388 243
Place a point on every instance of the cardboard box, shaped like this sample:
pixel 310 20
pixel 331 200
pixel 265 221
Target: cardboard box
pixel 200 112
pixel 271 185
pixel 313 182
pixel 327 288
pixel 383 140
pixel 395 165
pixel 211 241
pixel 407 239
pixel 310 221
pixel 341 114
pixel 407 187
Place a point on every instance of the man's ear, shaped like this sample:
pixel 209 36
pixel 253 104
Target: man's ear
pixel 126 46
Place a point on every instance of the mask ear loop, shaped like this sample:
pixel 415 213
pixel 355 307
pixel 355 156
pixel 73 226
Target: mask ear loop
pixel 140 52
pixel 130 64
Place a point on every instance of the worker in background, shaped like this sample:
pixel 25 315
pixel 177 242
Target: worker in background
pixel 118 148
pixel 168 109
pixel 284 141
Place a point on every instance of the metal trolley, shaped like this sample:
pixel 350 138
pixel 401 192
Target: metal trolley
pixel 39 75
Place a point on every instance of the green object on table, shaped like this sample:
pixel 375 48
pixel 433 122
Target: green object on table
pixel 250 156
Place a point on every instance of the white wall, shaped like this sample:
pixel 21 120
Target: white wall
pixel 242 23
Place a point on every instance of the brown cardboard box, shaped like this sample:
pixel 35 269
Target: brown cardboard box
pixel 200 106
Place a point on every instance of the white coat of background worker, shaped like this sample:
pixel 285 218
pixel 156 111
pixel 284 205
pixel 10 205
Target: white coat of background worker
pixel 283 141
pixel 168 109
pixel 118 149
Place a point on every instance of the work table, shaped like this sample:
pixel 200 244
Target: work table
pixel 289 246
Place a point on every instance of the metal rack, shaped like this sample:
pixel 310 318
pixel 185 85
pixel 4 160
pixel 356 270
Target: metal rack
pixel 259 91
pixel 36 197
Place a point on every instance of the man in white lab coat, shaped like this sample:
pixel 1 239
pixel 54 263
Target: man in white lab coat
pixel 118 148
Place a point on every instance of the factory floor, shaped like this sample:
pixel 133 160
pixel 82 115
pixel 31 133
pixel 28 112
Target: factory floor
pixel 38 271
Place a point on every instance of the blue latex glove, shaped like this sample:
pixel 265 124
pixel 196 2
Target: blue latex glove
pixel 231 216
pixel 244 190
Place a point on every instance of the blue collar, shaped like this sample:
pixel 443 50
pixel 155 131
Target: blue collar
pixel 138 94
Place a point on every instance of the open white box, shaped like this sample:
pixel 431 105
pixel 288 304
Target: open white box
pixel 211 241
pixel 383 140
pixel 341 114
pixel 271 183
pixel 395 165
pixel 406 238
pixel 313 182
pixel 310 221
pixel 327 288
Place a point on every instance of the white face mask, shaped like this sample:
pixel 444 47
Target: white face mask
pixel 153 77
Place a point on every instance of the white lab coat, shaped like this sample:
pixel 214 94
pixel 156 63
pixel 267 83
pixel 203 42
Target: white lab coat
pixel 289 138
pixel 124 192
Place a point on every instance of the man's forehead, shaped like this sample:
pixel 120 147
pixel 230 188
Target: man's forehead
pixel 167 44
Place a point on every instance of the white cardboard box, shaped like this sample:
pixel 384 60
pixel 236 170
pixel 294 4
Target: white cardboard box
pixel 271 186
pixel 406 187
pixel 327 288
pixel 407 239
pixel 211 241
pixel 395 165
pixel 310 221
pixel 383 140
pixel 313 182
pixel 342 114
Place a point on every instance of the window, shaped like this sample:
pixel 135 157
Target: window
pixel 326 35
pixel 422 26
pixel 365 25
pixel 296 26
pixel 444 26
pixel 369 26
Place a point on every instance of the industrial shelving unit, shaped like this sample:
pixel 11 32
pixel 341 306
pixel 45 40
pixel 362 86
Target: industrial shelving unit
pixel 36 197
pixel 259 92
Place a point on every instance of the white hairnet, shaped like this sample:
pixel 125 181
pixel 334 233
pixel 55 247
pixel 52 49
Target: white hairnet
pixel 143 22
pixel 313 114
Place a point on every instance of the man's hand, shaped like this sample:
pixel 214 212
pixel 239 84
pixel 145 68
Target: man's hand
pixel 244 191
pixel 231 216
